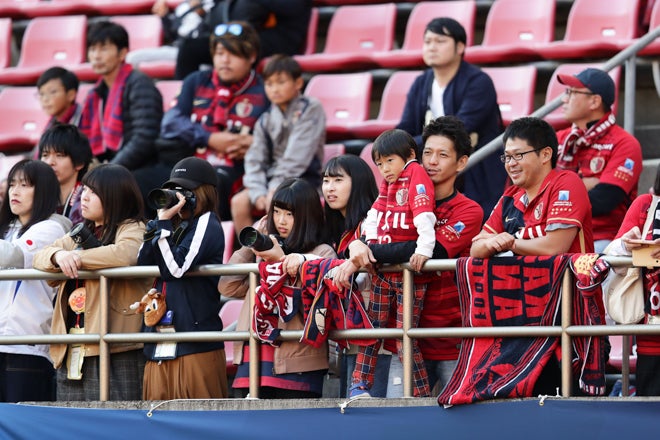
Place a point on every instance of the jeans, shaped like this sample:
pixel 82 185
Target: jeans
pixel 439 373
pixel 379 388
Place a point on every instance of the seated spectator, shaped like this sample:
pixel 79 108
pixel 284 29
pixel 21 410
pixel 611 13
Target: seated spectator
pixel 67 151
pixel 122 113
pixel 607 158
pixel 452 86
pixel 288 141
pixel 281 25
pixel 58 90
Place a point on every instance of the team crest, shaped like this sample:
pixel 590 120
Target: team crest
pixel 538 211
pixel 402 197
pixel 244 108
pixel 597 164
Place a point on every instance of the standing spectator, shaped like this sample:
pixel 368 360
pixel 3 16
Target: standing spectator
pixel 454 87
pixel 281 26
pixel 288 141
pixel 291 369
pixel 112 208
pixel 58 91
pixel 185 235
pixel 27 223
pixel 67 151
pixel 607 158
pixel 122 113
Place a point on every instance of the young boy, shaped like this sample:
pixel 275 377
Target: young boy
pixel 403 211
pixel 58 89
pixel 67 151
pixel 288 141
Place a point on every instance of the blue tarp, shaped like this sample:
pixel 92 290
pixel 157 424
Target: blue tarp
pixel 555 420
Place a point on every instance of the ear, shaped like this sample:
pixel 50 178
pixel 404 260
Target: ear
pixel 461 163
pixel 460 48
pixel 71 96
pixel 122 54
pixel 299 82
pixel 546 154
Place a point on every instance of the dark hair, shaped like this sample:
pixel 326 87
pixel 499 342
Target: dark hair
pixel 364 192
pixel 302 199
pixel 536 132
pixel 453 129
pixel 449 27
pixel 281 63
pixel 244 45
pixel 70 141
pixel 46 193
pixel 394 141
pixel 107 32
pixel 69 79
pixel 120 197
pixel 656 185
pixel 207 199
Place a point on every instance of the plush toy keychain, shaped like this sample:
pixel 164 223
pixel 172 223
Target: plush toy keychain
pixel 75 354
pixel 152 305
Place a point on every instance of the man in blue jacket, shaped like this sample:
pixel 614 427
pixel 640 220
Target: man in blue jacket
pixel 454 87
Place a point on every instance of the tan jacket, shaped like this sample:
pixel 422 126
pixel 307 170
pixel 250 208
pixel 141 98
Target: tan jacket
pixel 291 356
pixel 123 291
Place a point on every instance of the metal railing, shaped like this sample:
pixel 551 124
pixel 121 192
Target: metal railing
pixel 566 331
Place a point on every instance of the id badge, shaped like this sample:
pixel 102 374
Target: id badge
pixel 75 357
pixel 165 350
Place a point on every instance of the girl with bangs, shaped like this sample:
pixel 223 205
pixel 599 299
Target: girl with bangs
pixel 292 369
pixel 112 209
pixel 28 222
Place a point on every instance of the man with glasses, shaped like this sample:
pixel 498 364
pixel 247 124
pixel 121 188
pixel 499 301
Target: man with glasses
pixel 546 211
pixel 606 157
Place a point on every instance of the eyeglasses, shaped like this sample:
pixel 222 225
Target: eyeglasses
pixel 234 29
pixel 48 94
pixel 569 92
pixel 506 158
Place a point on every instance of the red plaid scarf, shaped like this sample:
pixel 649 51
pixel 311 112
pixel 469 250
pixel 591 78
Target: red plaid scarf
pixel 218 111
pixel 106 132
pixel 579 138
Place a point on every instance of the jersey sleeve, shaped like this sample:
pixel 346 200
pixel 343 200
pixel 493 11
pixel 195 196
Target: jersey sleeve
pixel 624 165
pixel 568 201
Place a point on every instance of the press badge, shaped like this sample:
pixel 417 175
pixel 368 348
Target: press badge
pixel 75 357
pixel 166 350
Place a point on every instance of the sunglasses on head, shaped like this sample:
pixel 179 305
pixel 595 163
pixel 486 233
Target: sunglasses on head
pixel 234 29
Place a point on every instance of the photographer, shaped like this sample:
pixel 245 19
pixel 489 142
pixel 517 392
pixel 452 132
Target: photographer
pixel 112 209
pixel 187 233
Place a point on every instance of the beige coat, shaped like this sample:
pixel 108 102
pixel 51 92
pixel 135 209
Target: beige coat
pixel 123 291
pixel 291 356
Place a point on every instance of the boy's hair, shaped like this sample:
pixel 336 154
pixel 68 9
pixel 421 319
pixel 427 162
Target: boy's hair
pixel 396 142
pixel 281 63
pixel 70 141
pixel 244 45
pixel 536 132
pixel 120 197
pixel 69 79
pixel 46 193
pixel 302 199
pixel 453 129
pixel 107 32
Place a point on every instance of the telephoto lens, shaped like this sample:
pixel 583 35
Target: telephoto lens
pixel 161 198
pixel 254 239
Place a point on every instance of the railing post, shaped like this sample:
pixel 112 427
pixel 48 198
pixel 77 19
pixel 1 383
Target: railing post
pixel 566 346
pixel 625 365
pixel 407 351
pixel 253 342
pixel 629 100
pixel 104 351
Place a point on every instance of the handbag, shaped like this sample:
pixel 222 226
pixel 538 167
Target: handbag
pixel 624 299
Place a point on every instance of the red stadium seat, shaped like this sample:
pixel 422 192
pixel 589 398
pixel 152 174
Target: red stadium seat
pixel 616 354
pixel 5 42
pixel 515 90
pixel 228 228
pixel 365 155
pixel 48 41
pixel 312 29
pixel 596 30
pixel 354 33
pixel 21 119
pixel 83 90
pixel 170 90
pixel 654 47
pixel 555 88
pixel 513 29
pixel 7 162
pixel 229 314
pixel 345 99
pixel 391 105
pixel 410 54
pixel 332 150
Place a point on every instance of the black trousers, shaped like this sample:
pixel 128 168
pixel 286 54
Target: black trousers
pixel 26 378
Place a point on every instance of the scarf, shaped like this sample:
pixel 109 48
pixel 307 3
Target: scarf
pixel 218 111
pixel 70 116
pixel 578 139
pixel 105 132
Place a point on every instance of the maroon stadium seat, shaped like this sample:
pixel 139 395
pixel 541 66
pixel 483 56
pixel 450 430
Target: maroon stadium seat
pixel 170 90
pixel 332 150
pixel 21 119
pixel 5 42
pixel 515 90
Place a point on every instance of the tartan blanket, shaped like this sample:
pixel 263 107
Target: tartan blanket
pixel 516 291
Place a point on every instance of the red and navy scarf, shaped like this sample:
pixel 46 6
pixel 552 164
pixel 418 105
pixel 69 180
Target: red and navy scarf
pixel 70 116
pixel 218 111
pixel 578 139
pixel 104 125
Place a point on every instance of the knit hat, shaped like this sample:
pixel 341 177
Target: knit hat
pixel 449 27
pixel 596 80
pixel 192 172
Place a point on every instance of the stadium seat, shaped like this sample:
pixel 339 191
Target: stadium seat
pixel 515 90
pixel 365 155
pixel 229 314
pixel 410 54
pixel 7 162
pixel 354 33
pixel 21 118
pixel 5 42
pixel 48 41
pixel 345 99
pixel 654 47
pixel 616 354
pixel 332 150
pixel 513 29
pixel 170 90
pixel 391 105
pixel 595 31
pixel 555 88
pixel 25 9
pixel 83 90
pixel 228 228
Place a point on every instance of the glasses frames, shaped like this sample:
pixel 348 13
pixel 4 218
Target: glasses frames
pixel 506 158
pixel 569 92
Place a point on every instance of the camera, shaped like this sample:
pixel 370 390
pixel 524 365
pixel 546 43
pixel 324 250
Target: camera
pixel 83 237
pixel 254 239
pixel 163 198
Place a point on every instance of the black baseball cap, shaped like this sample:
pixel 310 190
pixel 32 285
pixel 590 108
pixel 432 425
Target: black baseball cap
pixel 449 27
pixel 191 172
pixel 596 80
